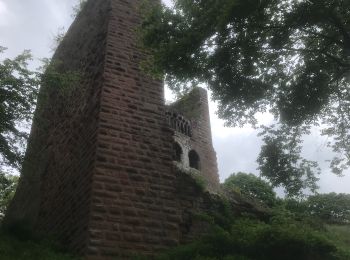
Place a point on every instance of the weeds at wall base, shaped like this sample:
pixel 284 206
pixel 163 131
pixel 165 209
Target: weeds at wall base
pixel 19 242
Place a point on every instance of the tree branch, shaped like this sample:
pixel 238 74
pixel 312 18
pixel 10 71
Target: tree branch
pixel 340 43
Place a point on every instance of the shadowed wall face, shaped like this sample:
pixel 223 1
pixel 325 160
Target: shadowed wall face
pixel 54 193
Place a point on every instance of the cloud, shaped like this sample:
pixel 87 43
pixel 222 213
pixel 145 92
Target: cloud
pixel 236 153
pixel 59 12
pixel 6 17
pixel 3 8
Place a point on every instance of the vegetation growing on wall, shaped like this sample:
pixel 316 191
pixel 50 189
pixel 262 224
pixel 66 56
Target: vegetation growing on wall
pixel 191 176
pixel 58 84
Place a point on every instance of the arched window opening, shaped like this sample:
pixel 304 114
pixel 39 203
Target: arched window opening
pixel 194 160
pixel 177 152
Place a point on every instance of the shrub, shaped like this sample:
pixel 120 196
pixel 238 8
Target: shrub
pixel 252 187
pixel 280 238
pixel 13 247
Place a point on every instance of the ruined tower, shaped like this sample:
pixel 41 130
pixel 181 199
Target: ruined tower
pixel 102 159
pixel 189 117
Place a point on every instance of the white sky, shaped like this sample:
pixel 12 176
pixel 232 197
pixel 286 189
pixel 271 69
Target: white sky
pixel 32 24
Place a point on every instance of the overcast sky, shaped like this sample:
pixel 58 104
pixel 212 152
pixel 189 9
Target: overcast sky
pixel 32 24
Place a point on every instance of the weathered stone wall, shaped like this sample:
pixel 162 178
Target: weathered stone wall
pixel 54 193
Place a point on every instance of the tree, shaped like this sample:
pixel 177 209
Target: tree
pixel 18 91
pixel 287 57
pixel 330 207
pixel 280 162
pixel 251 186
pixel 8 185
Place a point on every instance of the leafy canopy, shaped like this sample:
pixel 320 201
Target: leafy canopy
pixel 18 91
pixel 8 185
pixel 330 207
pixel 251 186
pixel 287 57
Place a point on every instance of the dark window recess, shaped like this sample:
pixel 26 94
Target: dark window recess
pixel 177 152
pixel 194 160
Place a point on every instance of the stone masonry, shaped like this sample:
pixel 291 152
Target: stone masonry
pixel 100 172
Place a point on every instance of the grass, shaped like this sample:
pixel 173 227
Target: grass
pixel 13 248
pixel 340 235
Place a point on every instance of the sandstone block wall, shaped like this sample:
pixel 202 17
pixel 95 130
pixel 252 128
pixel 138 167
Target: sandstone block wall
pixel 133 207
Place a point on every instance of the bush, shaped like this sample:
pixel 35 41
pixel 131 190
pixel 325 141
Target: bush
pixel 330 207
pixel 14 248
pixel 252 187
pixel 281 237
pixel 340 235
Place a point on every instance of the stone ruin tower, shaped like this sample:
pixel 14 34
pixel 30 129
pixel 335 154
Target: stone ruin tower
pixel 102 164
